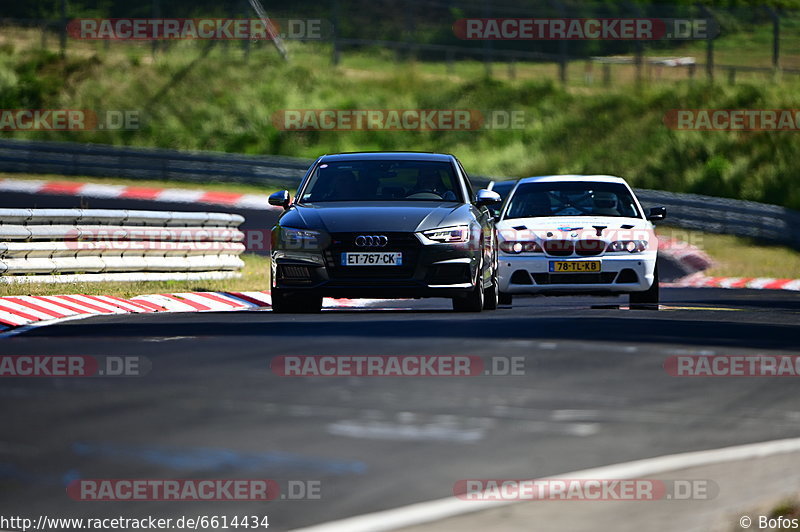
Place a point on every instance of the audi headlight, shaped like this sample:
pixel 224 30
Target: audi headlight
pixel 448 235
pixel 301 239
pixel 631 246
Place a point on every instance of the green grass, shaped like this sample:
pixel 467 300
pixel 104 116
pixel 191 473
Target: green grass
pixel 255 277
pixel 221 102
pixel 740 257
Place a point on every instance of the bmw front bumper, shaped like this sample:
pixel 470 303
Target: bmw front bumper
pixel 530 274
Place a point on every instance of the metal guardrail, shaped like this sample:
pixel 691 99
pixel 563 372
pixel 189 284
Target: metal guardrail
pixel 84 245
pixel 101 160
pixel 770 223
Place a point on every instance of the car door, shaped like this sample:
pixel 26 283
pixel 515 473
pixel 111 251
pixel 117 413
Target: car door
pixel 488 235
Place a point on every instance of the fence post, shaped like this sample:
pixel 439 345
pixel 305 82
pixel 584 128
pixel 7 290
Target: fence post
pixel 776 37
pixel 562 44
pixel 63 33
pixel 732 75
pixel 607 74
pixel 245 42
pixel 335 57
pixel 487 43
pixel 155 11
pixel 709 45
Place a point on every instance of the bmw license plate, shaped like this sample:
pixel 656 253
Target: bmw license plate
pixel 582 266
pixel 372 259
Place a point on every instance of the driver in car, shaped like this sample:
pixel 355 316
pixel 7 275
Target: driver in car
pixel 431 182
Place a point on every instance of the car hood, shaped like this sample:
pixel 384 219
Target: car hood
pixel 566 226
pixel 353 216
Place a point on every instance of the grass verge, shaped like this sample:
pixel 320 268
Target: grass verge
pixel 736 256
pixel 255 276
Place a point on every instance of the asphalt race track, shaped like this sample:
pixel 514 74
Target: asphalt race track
pixel 594 392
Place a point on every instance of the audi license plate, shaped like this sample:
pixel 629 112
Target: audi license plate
pixel 372 259
pixel 575 266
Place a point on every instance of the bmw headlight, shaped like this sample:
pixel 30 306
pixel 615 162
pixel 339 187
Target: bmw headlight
pixel 514 247
pixel 301 239
pixel 448 235
pixel 631 246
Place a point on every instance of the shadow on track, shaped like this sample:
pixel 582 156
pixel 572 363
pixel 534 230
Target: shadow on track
pixel 642 327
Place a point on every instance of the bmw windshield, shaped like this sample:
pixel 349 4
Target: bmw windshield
pixel 570 198
pixel 382 181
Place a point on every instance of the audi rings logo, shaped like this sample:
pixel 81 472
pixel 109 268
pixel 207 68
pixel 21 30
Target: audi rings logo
pixel 371 241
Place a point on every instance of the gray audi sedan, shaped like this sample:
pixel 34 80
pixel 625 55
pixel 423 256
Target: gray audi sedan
pixel 385 225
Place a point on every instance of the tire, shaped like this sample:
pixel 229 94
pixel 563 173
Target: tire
pixel 491 296
pixel 295 303
pixel 473 302
pixel 649 296
pixel 505 298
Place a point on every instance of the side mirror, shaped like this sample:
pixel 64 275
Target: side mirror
pixel 280 199
pixel 657 213
pixel 486 197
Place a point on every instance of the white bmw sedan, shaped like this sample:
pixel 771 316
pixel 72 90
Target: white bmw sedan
pixel 574 234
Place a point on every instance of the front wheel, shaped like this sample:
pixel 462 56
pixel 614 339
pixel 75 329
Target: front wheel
pixel 473 302
pixel 491 296
pixel 649 296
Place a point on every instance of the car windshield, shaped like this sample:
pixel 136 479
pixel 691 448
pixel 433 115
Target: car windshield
pixel 571 198
pixel 382 181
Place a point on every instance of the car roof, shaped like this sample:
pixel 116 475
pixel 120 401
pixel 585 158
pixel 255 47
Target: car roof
pixel 572 177
pixel 388 156
pixel 508 183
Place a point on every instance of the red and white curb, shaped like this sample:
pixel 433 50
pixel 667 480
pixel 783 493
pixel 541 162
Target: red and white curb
pixel 173 195
pixel 699 280
pixel 18 313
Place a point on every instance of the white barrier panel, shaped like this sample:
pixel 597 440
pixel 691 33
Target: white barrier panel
pixel 52 245
pixel 118 277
